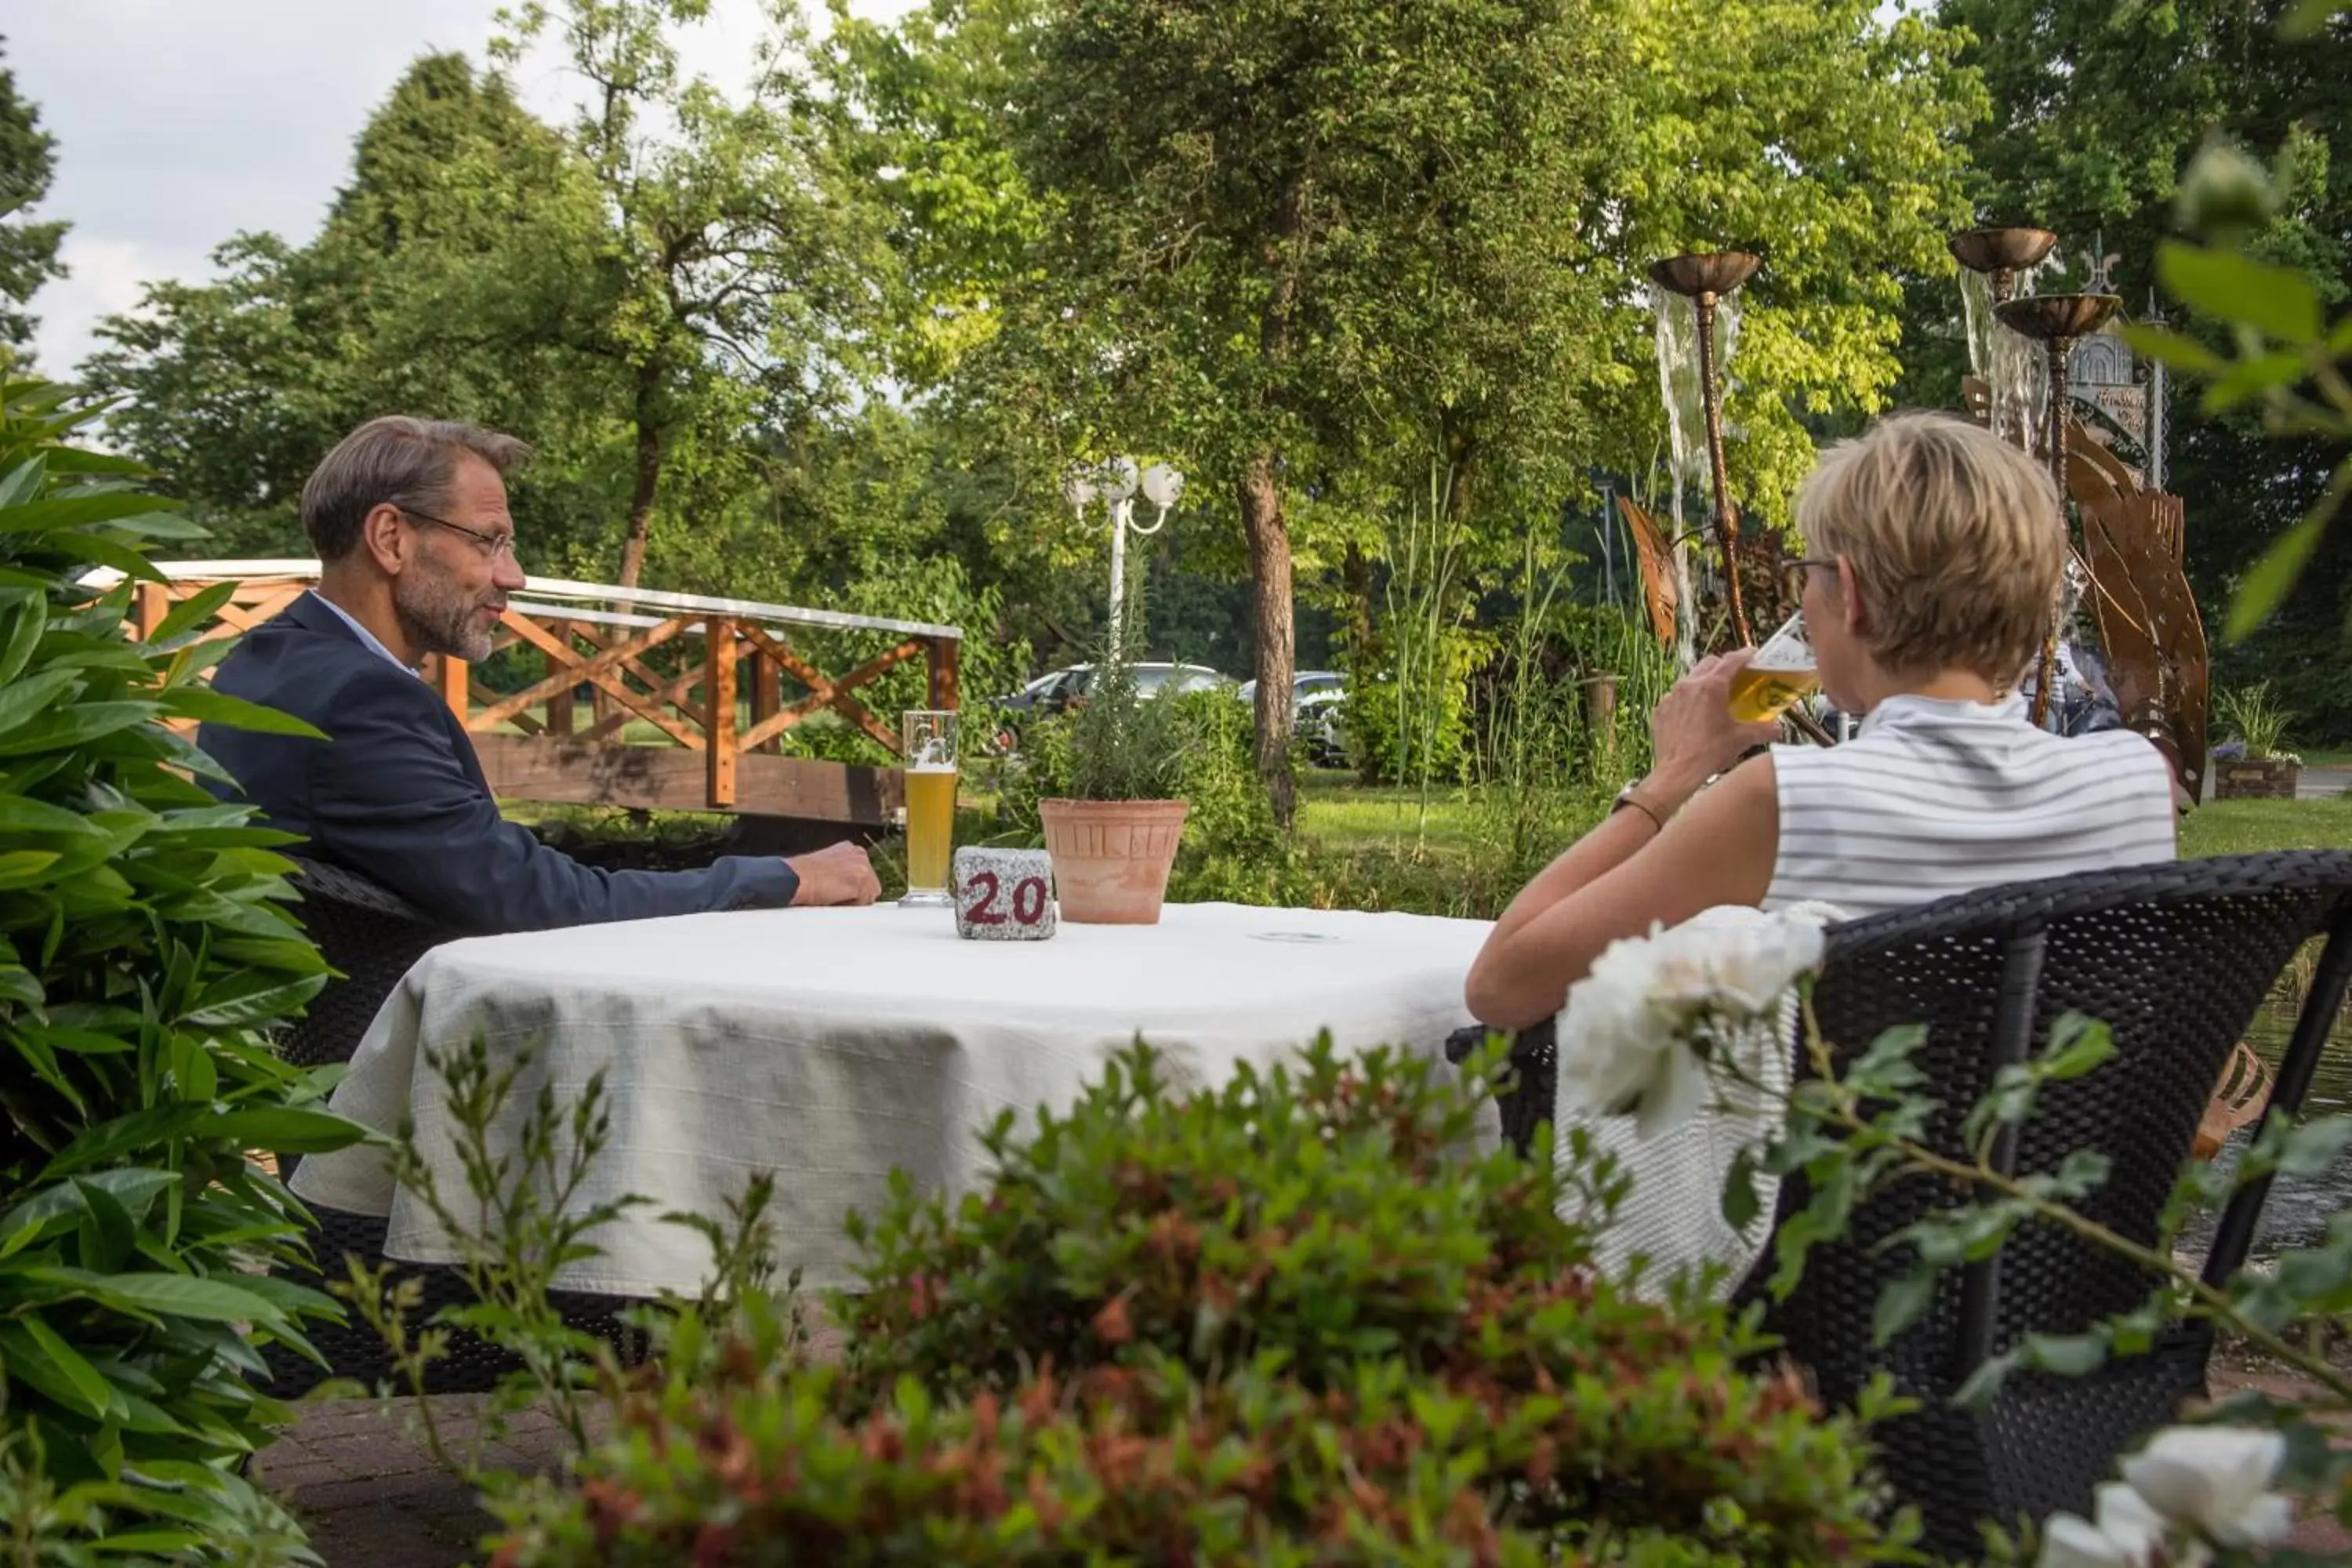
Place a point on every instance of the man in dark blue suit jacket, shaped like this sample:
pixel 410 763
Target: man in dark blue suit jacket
pixel 416 556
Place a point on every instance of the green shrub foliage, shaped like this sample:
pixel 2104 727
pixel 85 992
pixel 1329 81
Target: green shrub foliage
pixel 1114 1464
pixel 1295 1320
pixel 146 949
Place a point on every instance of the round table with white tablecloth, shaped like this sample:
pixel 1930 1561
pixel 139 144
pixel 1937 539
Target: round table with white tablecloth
pixel 830 1045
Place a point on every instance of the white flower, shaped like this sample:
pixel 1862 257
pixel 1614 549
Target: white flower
pixel 2126 1518
pixel 2071 1543
pixel 2188 1486
pixel 1625 1062
pixel 1614 1058
pixel 2215 1480
pixel 1628 1033
pixel 1735 969
pixel 2128 1534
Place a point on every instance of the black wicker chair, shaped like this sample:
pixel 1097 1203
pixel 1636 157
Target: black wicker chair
pixel 372 937
pixel 2176 958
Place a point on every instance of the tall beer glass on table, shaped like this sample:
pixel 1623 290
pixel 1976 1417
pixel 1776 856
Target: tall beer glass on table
pixel 928 739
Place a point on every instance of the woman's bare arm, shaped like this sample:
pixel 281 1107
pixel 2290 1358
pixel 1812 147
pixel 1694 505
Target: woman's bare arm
pixel 1651 861
pixel 1719 851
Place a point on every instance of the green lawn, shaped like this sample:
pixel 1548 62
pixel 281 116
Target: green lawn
pixel 1333 807
pixel 1346 814
pixel 2246 827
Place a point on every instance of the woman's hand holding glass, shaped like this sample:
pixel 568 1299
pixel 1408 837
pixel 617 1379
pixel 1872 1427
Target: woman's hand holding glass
pixel 1693 734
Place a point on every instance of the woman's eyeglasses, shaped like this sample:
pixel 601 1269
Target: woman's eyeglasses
pixel 1793 575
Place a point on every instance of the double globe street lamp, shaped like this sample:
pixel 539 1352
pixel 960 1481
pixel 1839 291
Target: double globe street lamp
pixel 1115 483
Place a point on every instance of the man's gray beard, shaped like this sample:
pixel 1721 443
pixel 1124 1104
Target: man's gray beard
pixel 436 621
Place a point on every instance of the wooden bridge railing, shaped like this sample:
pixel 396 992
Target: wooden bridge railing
pixel 719 702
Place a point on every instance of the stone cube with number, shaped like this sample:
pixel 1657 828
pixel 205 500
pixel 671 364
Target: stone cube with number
pixel 1003 895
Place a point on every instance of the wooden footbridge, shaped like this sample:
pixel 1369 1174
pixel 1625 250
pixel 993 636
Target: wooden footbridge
pixel 690 698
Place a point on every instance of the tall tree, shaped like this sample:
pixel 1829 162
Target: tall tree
pixel 642 294
pixel 924 110
pixel 1310 249
pixel 1831 137
pixel 233 389
pixel 1281 238
pixel 735 270
pixel 28 251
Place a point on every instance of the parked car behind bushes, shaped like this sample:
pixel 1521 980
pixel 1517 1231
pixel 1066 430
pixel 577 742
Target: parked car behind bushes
pixel 1317 697
pixel 1058 691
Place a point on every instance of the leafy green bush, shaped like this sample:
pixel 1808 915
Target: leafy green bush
pixel 1232 849
pixel 1328 1221
pixel 1295 1320
pixel 145 952
pixel 1114 1464
pixel 1401 733
pixel 81 1526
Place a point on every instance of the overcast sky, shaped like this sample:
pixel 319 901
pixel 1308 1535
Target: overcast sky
pixel 180 122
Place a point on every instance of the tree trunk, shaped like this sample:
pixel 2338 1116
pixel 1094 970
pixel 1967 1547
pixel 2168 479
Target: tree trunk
pixel 1356 583
pixel 1277 653
pixel 641 516
pixel 649 479
pixel 1264 529
pixel 1461 451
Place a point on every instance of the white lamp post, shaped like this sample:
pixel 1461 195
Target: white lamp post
pixel 1113 483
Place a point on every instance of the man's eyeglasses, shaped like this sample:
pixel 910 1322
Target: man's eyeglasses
pixel 1792 576
pixel 493 545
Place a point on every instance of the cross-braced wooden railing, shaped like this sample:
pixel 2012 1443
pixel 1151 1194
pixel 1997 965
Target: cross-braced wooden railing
pixel 717 682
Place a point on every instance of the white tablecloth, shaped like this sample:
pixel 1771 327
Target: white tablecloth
pixel 833 1045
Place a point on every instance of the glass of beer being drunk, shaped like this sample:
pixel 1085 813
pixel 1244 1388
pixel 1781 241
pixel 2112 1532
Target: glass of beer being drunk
pixel 928 741
pixel 1778 678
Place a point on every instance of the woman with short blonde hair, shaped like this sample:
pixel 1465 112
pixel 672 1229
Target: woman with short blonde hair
pixel 1932 558
pixel 1956 540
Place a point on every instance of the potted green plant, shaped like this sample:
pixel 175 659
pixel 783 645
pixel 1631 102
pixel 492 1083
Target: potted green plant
pixel 2264 768
pixel 1113 838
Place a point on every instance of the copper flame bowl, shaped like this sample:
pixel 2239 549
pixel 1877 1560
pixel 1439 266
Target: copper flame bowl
pixel 2001 249
pixel 1704 272
pixel 2047 317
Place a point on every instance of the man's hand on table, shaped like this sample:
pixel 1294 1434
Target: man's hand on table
pixel 838 874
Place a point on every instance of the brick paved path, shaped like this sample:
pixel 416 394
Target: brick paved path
pixel 362 1482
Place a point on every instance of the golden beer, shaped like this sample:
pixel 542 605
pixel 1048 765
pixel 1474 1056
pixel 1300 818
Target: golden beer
pixel 1760 694
pixel 930 827
pixel 1780 675
pixel 927 739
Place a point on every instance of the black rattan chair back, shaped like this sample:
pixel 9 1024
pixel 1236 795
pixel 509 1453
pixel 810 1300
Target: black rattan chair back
pixel 368 934
pixel 2174 958
pixel 373 937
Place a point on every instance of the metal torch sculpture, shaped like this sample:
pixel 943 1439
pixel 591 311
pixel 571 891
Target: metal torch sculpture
pixel 1707 279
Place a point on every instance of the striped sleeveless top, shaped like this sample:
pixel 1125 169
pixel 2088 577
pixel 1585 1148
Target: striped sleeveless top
pixel 1934 797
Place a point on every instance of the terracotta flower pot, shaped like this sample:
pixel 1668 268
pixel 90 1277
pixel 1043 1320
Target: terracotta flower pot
pixel 1111 857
